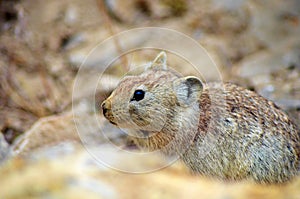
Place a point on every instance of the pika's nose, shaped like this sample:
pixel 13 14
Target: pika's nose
pixel 105 107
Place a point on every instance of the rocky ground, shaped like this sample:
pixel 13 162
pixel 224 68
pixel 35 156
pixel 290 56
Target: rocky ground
pixel 43 44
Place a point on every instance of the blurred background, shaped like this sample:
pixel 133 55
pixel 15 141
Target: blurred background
pixel 254 43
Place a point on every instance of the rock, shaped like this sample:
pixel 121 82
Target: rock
pixel 58 20
pixel 137 12
pixel 53 130
pixel 46 131
pixel 14 121
pixel 274 22
pixel 274 73
pixel 268 61
pixel 89 82
pixel 229 4
pixel 97 49
pixel 4 149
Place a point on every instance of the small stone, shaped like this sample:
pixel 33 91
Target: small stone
pixel 4 148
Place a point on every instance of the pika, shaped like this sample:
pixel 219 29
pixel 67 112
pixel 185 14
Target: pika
pixel 219 130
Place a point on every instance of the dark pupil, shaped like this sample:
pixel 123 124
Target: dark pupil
pixel 138 95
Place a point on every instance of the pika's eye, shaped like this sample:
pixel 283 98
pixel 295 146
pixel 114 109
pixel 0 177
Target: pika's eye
pixel 138 95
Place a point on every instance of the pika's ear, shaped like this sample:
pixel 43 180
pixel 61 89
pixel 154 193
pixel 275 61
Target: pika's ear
pixel 187 90
pixel 159 62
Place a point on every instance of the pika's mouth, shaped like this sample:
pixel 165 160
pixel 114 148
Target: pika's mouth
pixel 106 110
pixel 113 123
pixel 109 117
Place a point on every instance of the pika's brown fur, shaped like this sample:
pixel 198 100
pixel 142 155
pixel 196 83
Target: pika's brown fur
pixel 218 130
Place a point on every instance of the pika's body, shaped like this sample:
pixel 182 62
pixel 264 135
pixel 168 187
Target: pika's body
pixel 218 130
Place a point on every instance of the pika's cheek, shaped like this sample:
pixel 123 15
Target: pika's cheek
pixel 138 116
pixel 132 109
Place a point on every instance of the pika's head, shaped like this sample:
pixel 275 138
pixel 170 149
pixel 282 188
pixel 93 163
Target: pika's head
pixel 152 99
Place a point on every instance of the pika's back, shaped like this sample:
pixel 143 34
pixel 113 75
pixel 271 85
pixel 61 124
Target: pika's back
pixel 249 113
pixel 247 107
